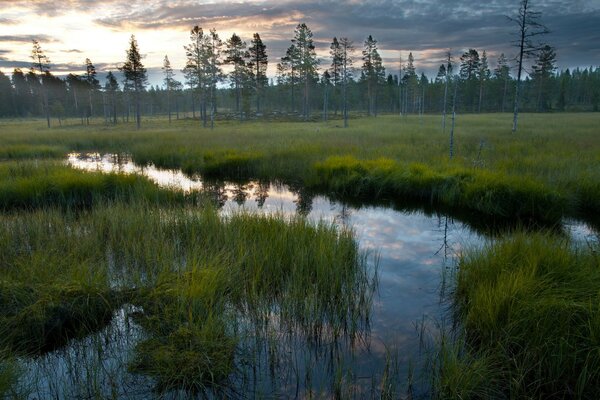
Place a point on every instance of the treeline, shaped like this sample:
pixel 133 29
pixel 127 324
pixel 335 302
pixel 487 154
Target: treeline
pixel 304 86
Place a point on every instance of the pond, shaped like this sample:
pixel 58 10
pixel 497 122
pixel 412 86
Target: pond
pixel 412 254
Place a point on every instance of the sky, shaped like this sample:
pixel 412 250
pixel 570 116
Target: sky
pixel 70 31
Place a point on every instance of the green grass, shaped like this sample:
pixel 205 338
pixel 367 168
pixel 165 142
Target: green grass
pixel 530 309
pixel 551 167
pixel 32 185
pixel 203 283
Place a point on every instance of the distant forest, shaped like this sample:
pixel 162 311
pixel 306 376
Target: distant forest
pixel 304 86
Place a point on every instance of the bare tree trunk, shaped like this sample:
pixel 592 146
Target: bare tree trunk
pixel 138 110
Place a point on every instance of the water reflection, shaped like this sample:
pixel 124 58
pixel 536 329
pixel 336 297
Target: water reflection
pixel 413 249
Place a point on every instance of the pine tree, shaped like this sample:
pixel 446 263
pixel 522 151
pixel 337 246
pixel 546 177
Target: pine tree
pixel 135 76
pixel 195 69
pixel 502 74
pixel 307 62
pixel 41 64
pixel 335 71
pixel 111 87
pixel 235 52
pixel 170 83
pixel 92 85
pixel 542 72
pixel 213 70
pixel 290 70
pixel 483 74
pixel 410 81
pixel 347 50
pixel 257 64
pixel 373 72
pixel 469 67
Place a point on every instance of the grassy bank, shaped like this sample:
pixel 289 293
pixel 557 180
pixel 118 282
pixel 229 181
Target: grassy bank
pixel 201 284
pixel 550 168
pixel 29 185
pixel 529 307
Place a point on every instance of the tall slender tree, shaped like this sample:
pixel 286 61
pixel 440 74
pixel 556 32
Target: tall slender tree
pixel 346 53
pixel 195 69
pixel 373 72
pixel 41 64
pixel 307 63
pixel 483 74
pixel 529 26
pixel 170 82
pixel 214 71
pixel 542 72
pixel 235 55
pixel 502 75
pixel 111 88
pixel 135 76
pixel 93 85
pixel 290 71
pixel 335 71
pixel 258 62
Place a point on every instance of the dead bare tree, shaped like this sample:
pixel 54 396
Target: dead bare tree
pixel 529 26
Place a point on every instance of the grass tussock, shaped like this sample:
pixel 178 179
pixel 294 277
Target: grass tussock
pixel 200 283
pixel 35 185
pixel 488 194
pixel 530 306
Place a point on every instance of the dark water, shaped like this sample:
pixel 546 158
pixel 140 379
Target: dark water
pixel 414 255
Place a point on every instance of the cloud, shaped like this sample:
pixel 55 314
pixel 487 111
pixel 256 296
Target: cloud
pixel 8 21
pixel 427 27
pixel 73 51
pixel 27 38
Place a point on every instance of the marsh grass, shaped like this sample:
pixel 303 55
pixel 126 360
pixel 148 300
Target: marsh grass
pixel 29 185
pixel 550 168
pixel 200 282
pixel 528 305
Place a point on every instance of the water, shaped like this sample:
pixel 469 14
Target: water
pixel 415 253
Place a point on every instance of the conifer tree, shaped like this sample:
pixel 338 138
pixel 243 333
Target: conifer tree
pixel 373 72
pixel 235 55
pixel 41 64
pixel 111 87
pixel 135 76
pixel 483 74
pixel 542 71
pixel 92 85
pixel 335 70
pixel 307 62
pixel 257 64
pixel 502 74
pixel 347 50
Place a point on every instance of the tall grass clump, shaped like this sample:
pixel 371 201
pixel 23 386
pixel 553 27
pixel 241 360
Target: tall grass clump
pixel 531 304
pixel 34 185
pixel 484 193
pixel 203 285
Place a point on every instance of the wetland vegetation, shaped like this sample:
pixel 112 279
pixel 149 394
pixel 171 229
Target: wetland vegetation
pixel 280 304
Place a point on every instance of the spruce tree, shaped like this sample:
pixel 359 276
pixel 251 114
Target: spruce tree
pixel 135 76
